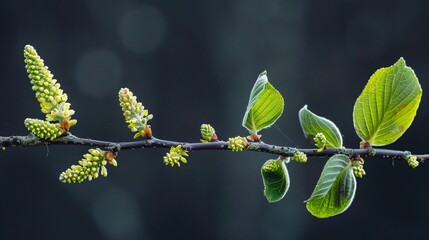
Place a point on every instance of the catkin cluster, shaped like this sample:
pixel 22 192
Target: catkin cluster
pixel 43 129
pixel 135 115
pixel 237 143
pixel 175 156
pixel 52 99
pixel 91 165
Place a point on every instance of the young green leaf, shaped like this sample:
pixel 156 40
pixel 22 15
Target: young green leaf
pixel 387 105
pixel 276 179
pixel 312 124
pixel 335 189
pixel 265 105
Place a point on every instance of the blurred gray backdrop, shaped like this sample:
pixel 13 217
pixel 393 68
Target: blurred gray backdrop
pixel 193 62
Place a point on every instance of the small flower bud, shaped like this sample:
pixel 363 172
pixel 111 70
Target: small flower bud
pixel 320 141
pixel 94 152
pixel 208 133
pixel 299 157
pixel 175 156
pixel 103 171
pixel 237 144
pixel 411 160
pixel 272 165
pixel 110 158
pixel 357 166
pixel 372 152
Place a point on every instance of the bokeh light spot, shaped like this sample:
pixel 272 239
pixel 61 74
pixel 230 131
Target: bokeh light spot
pixel 98 73
pixel 142 29
pixel 117 214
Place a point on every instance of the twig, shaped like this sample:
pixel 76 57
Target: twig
pixel 70 139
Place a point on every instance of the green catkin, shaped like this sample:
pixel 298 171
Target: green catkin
pixel 320 141
pixel 90 167
pixel 135 115
pixel 175 156
pixel 271 165
pixel 299 157
pixel 43 129
pixel 412 161
pixel 52 99
pixel 358 170
pixel 237 144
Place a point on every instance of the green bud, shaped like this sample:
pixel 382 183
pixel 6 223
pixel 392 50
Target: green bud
pixel 175 156
pixel 320 141
pixel 411 160
pixel 43 129
pixel 358 170
pixel 94 152
pixel 299 157
pixel 271 165
pixel 371 151
pixel 208 133
pixel 237 144
pixel 104 171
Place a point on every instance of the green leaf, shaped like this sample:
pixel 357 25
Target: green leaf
pixel 387 105
pixel 312 124
pixel 276 179
pixel 265 105
pixel 335 189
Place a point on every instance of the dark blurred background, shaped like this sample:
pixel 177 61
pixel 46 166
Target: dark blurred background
pixel 193 62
